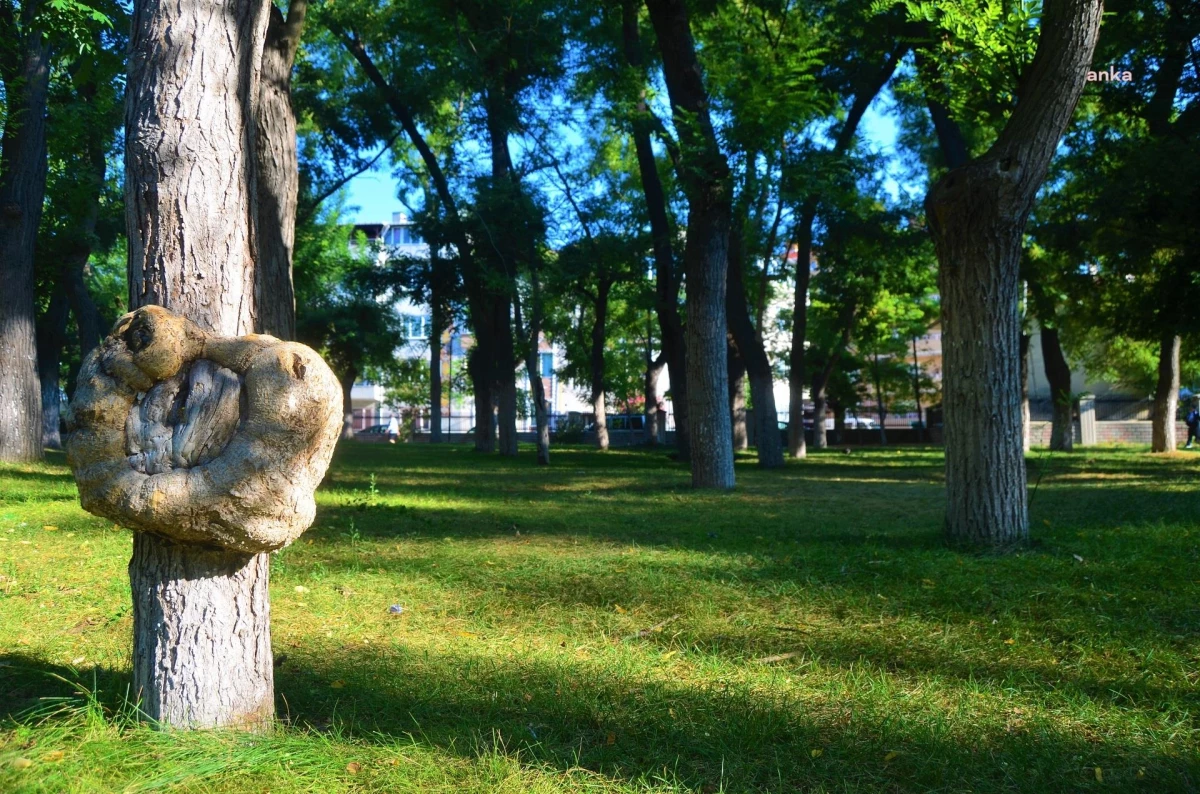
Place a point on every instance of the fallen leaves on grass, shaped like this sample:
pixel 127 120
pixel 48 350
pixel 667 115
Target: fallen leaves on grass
pixel 22 763
pixel 779 657
pixel 892 756
pixel 53 755
pixel 816 752
pixel 647 632
pixel 338 684
pixel 354 767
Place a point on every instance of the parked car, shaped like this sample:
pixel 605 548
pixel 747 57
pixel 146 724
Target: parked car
pixel 372 433
pixel 859 423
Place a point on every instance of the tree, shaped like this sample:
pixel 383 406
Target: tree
pixel 977 214
pixel 25 61
pixel 191 158
pixel 706 181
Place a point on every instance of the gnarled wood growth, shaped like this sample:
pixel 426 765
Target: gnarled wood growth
pixel 213 446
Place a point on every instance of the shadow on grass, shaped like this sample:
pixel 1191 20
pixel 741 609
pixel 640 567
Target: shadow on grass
pixel 564 713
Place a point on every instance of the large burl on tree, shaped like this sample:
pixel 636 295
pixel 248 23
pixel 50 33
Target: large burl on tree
pixel 204 439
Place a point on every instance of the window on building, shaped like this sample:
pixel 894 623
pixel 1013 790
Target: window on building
pixel 547 365
pixel 416 326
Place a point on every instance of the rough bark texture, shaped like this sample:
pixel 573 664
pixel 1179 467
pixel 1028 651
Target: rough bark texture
pixel 977 214
pixel 25 66
pixel 541 408
pixel 1166 395
pixel 708 189
pixel 51 337
pixel 596 355
pixel 1058 375
pixel 666 275
pixel 737 396
pixel 277 175
pixel 749 341
pixel 917 393
pixel 437 326
pixel 1027 435
pixel 654 368
pixel 190 188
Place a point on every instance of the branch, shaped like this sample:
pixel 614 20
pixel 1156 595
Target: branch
pixel 312 205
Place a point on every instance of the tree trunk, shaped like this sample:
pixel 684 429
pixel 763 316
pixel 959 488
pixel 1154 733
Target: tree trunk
pixel 347 381
pixel 1166 395
pixel 977 215
pixel 796 376
pixel 1058 375
pixel 839 421
pixel 277 175
pixel 666 279
pixel 758 366
pixel 479 370
pixel 26 72
pixel 537 390
pixel 917 392
pixel 708 191
pixel 820 434
pixel 437 326
pixel 880 406
pixel 596 356
pixel 737 396
pixel 1026 418
pixel 654 368
pixel 202 646
pixel 51 338
pixel 506 404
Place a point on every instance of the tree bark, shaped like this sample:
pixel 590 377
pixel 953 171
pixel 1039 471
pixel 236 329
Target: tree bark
pixel 880 405
pixel 25 66
pixel 977 215
pixel 201 628
pixel 1166 395
pixel 736 366
pixel 596 356
pixel 709 207
pixel 347 380
pixel 758 366
pixel 666 279
pixel 1058 375
pixel 806 214
pixel 654 368
pixel 917 393
pixel 437 327
pixel 277 176
pixel 1026 417
pixel 51 338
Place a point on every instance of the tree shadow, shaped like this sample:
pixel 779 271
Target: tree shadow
pixel 557 711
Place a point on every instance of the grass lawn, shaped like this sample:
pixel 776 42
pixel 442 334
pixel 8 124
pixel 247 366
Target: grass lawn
pixel 596 626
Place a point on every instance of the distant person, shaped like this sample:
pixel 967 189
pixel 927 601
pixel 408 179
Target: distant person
pixel 393 430
pixel 1193 425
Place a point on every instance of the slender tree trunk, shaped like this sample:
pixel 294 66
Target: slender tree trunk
pixel 437 326
pixel 202 642
pixel 758 366
pixel 737 396
pixel 977 215
pixel 278 178
pixel 839 421
pixel 880 406
pixel 26 72
pixel 666 279
pixel 820 433
pixel 51 338
pixel 709 207
pixel 537 389
pixel 596 356
pixel 917 392
pixel 1026 417
pixel 1166 395
pixel 348 406
pixel 654 368
pixel 506 402
pixel 796 373
pixel 1058 375
pixel 479 370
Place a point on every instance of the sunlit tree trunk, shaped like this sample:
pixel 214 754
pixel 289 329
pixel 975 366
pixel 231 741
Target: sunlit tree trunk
pixel 51 338
pixel 25 68
pixel 201 616
pixel 977 215
pixel 1166 395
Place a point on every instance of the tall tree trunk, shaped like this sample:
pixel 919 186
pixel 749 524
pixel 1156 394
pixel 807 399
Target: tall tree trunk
pixel 917 392
pixel 537 389
pixel 1166 395
pixel 347 381
pixel 51 338
pixel 796 374
pixel 596 361
pixel 805 215
pixel 1026 417
pixel 820 406
pixel 839 420
pixel 758 367
pixel 709 206
pixel 25 65
pixel 479 370
pixel 201 616
pixel 977 215
pixel 1058 375
pixel 736 366
pixel 880 405
pixel 654 368
pixel 666 278
pixel 504 368
pixel 277 176
pixel 437 327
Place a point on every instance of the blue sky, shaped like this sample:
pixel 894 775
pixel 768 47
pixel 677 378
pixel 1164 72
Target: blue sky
pixel 374 193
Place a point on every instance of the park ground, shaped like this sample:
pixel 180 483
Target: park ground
pixel 597 626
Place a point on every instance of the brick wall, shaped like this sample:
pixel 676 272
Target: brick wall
pixel 1121 432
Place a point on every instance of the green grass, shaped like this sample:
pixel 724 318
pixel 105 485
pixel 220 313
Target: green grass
pixel 517 666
